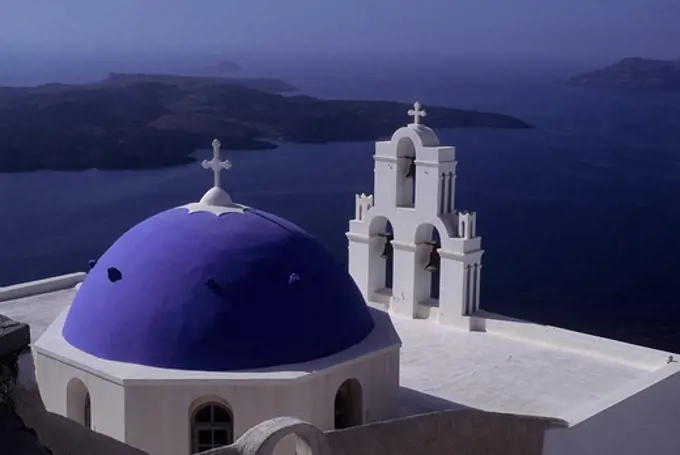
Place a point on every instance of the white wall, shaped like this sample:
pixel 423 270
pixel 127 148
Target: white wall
pixel 56 283
pixel 379 379
pixel 106 397
pixel 645 423
pixel 158 415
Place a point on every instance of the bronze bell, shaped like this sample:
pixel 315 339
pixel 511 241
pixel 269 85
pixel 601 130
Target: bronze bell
pixel 387 249
pixel 433 264
pixel 411 172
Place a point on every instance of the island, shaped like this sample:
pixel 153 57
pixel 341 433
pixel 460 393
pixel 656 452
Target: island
pixel 633 73
pixel 142 121
pixel 222 68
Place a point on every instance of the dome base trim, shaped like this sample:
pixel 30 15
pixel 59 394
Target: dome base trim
pixel 217 210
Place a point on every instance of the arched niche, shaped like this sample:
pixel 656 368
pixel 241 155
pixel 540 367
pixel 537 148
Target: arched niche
pixel 428 264
pixel 381 260
pixel 211 424
pixel 406 175
pixel 78 402
pixel 348 405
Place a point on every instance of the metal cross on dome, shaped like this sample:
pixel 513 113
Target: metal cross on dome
pixel 215 164
pixel 417 113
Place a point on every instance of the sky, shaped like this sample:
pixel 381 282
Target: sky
pixel 556 28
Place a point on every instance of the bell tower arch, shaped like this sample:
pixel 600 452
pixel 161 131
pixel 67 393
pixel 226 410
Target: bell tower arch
pixel 433 250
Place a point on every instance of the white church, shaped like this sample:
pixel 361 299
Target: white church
pixel 208 319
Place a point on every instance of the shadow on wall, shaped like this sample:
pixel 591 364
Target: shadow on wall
pixel 61 435
pixel 458 432
pixel 447 427
pixel 413 402
pixel 464 432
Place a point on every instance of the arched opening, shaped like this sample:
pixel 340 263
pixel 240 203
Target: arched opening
pixel 78 403
pixel 446 189
pixel 283 436
pixel 381 261
pixel 212 426
pixel 428 269
pixel 348 405
pixel 406 173
pixel 88 411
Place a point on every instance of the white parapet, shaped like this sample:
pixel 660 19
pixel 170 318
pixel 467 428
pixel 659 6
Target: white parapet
pixel 56 283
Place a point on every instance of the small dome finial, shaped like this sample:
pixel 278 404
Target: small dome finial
pixel 416 113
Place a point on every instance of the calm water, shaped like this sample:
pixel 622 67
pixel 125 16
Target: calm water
pixel 579 217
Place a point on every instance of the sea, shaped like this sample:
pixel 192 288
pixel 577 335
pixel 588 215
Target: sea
pixel 579 217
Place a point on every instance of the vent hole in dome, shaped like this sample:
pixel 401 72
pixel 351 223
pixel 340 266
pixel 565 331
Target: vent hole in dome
pixel 216 288
pixel 114 274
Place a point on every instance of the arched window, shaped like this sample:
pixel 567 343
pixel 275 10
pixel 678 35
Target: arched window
pixel 78 403
pixel 429 276
pixel 406 173
pixel 381 261
pixel 87 412
pixel 212 426
pixel 348 405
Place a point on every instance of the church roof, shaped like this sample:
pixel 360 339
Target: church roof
pixel 519 367
pixel 216 286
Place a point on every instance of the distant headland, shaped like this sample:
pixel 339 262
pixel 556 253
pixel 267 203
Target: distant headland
pixel 633 73
pixel 137 121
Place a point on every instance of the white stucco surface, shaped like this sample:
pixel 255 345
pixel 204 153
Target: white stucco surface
pixel 38 311
pixel 497 372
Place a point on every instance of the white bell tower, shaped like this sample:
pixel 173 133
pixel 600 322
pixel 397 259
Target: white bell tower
pixel 409 249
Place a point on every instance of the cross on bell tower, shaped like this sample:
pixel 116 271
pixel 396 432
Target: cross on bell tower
pixel 215 164
pixel 417 113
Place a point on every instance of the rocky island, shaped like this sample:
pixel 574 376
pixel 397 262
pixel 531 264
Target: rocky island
pixel 633 73
pixel 145 121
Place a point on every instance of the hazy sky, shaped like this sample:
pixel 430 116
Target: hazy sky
pixel 572 28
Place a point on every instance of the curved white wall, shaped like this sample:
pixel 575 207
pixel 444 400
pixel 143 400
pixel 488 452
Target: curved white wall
pixel 155 417
pixel 158 414
pixel 106 397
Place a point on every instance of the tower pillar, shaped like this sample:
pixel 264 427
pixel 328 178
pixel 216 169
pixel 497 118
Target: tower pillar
pixel 359 249
pixel 459 290
pixel 404 287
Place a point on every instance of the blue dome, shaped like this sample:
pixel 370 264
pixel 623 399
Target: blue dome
pixel 196 291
